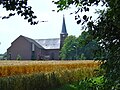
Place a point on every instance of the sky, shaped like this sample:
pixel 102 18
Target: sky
pixel 15 26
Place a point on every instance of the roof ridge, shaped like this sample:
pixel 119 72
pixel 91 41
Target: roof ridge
pixel 32 40
pixel 47 38
pixel 49 43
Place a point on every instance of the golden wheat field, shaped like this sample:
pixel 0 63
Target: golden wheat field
pixel 8 68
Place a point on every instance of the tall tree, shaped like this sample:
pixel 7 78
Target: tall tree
pixel 81 48
pixel 87 46
pixel 107 30
pixel 68 50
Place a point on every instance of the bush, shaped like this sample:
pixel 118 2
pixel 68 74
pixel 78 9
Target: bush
pixel 91 84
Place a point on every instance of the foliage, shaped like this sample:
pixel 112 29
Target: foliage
pixel 94 83
pixel 3 56
pixel 18 57
pixel 106 29
pixel 81 5
pixel 82 48
pixel 67 87
pixel 82 57
pixel 87 46
pixel 91 84
pixel 68 51
pixel 21 8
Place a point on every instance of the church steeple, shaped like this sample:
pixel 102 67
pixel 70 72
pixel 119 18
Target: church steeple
pixel 63 33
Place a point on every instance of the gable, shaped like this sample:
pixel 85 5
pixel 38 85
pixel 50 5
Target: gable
pixel 53 43
pixel 19 41
pixel 33 42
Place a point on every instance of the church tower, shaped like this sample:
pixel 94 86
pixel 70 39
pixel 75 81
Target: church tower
pixel 63 33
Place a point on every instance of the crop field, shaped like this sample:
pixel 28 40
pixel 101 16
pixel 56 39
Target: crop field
pixel 8 68
pixel 43 75
pixel 15 62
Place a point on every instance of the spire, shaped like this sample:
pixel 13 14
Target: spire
pixel 64 31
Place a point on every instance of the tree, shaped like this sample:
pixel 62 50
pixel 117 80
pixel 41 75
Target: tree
pixel 68 50
pixel 108 32
pixel 5 56
pixel 87 46
pixel 81 48
pixel 81 5
pixel 21 7
pixel 106 29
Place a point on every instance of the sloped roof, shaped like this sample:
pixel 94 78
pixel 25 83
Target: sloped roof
pixel 33 41
pixel 53 43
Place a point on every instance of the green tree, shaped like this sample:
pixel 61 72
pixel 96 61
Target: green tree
pixel 106 29
pixel 87 46
pixel 81 48
pixel 21 8
pixel 68 51
pixel 5 56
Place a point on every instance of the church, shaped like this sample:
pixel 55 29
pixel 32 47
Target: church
pixel 37 49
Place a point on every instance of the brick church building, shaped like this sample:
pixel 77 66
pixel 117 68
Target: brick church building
pixel 37 49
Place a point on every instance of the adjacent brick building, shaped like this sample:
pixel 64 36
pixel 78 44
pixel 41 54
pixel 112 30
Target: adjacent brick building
pixel 28 49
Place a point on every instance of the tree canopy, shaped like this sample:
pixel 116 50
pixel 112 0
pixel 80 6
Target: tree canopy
pixel 68 50
pixel 106 29
pixel 21 8
pixel 80 48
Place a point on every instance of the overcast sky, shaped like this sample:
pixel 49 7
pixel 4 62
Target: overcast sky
pixel 12 28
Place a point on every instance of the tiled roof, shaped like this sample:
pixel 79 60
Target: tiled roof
pixel 53 43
